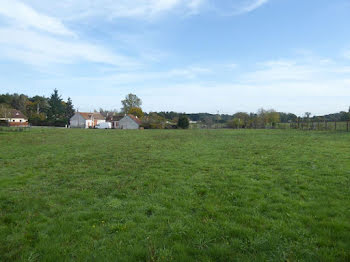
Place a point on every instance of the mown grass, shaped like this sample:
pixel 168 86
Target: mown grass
pixel 198 195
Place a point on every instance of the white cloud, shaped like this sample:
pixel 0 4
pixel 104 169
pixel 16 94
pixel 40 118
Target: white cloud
pixel 307 69
pixel 296 85
pixel 141 9
pixel 25 16
pixel 34 48
pixel 251 6
pixel 37 39
pixel 280 70
pixel 111 9
pixel 187 73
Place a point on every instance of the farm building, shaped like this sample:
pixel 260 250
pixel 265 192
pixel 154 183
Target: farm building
pixel 129 122
pixel 86 120
pixel 13 117
pixel 115 120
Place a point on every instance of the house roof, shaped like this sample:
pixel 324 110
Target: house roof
pixel 13 113
pixel 138 121
pixel 115 118
pixel 89 116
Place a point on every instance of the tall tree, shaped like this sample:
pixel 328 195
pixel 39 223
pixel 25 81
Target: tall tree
pixel 69 109
pixel 20 102
pixel 129 102
pixel 108 113
pixel 307 115
pixel 57 110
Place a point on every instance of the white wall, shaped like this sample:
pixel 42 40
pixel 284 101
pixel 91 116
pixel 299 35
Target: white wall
pixel 15 120
pixel 89 123
pixel 101 121
pixel 128 123
pixel 77 121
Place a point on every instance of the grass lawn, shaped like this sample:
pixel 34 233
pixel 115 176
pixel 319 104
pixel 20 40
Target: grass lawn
pixel 196 195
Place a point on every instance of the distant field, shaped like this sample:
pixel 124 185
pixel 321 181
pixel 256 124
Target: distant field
pixel 177 195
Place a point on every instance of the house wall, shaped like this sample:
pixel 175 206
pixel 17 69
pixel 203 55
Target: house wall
pixel 100 121
pixel 128 123
pixel 77 121
pixel 15 120
pixel 115 124
pixel 19 124
pixel 89 123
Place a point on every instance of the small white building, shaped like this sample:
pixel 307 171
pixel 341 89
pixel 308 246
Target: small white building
pixel 86 120
pixel 129 122
pixel 114 119
pixel 14 117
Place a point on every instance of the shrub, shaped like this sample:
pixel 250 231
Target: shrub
pixel 183 122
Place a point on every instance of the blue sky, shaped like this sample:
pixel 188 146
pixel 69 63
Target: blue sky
pixel 180 55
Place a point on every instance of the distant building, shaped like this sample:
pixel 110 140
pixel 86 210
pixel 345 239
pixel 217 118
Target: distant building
pixel 13 117
pixel 86 120
pixel 129 122
pixel 115 120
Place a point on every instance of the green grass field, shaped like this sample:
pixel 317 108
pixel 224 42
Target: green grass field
pixel 177 195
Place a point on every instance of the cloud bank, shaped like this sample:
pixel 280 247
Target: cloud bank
pixel 141 9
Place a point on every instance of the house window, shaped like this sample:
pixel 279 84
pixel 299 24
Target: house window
pixel 13 120
pixel 20 121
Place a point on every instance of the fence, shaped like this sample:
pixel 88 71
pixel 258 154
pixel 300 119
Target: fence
pixel 320 126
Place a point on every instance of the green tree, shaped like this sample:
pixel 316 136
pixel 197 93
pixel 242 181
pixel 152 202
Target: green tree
pixel 20 102
pixel 153 121
pixel 5 110
pixel 129 102
pixel 70 111
pixel 57 108
pixel 273 117
pixel 242 119
pixel 236 123
pixel 268 117
pixel 183 122
pixel 136 111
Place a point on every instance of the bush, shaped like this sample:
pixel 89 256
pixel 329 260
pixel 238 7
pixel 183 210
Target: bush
pixel 4 123
pixel 183 122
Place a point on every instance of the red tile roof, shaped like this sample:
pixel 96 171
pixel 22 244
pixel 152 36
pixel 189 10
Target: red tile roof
pixel 137 120
pixel 89 116
pixel 13 113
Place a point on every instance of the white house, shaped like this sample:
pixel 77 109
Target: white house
pixel 129 122
pixel 13 117
pixel 86 120
pixel 114 119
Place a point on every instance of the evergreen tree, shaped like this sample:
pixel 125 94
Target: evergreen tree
pixel 57 109
pixel 69 109
pixel 183 122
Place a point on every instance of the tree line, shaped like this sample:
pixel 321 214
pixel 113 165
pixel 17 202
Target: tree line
pixel 54 111
pixel 40 110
